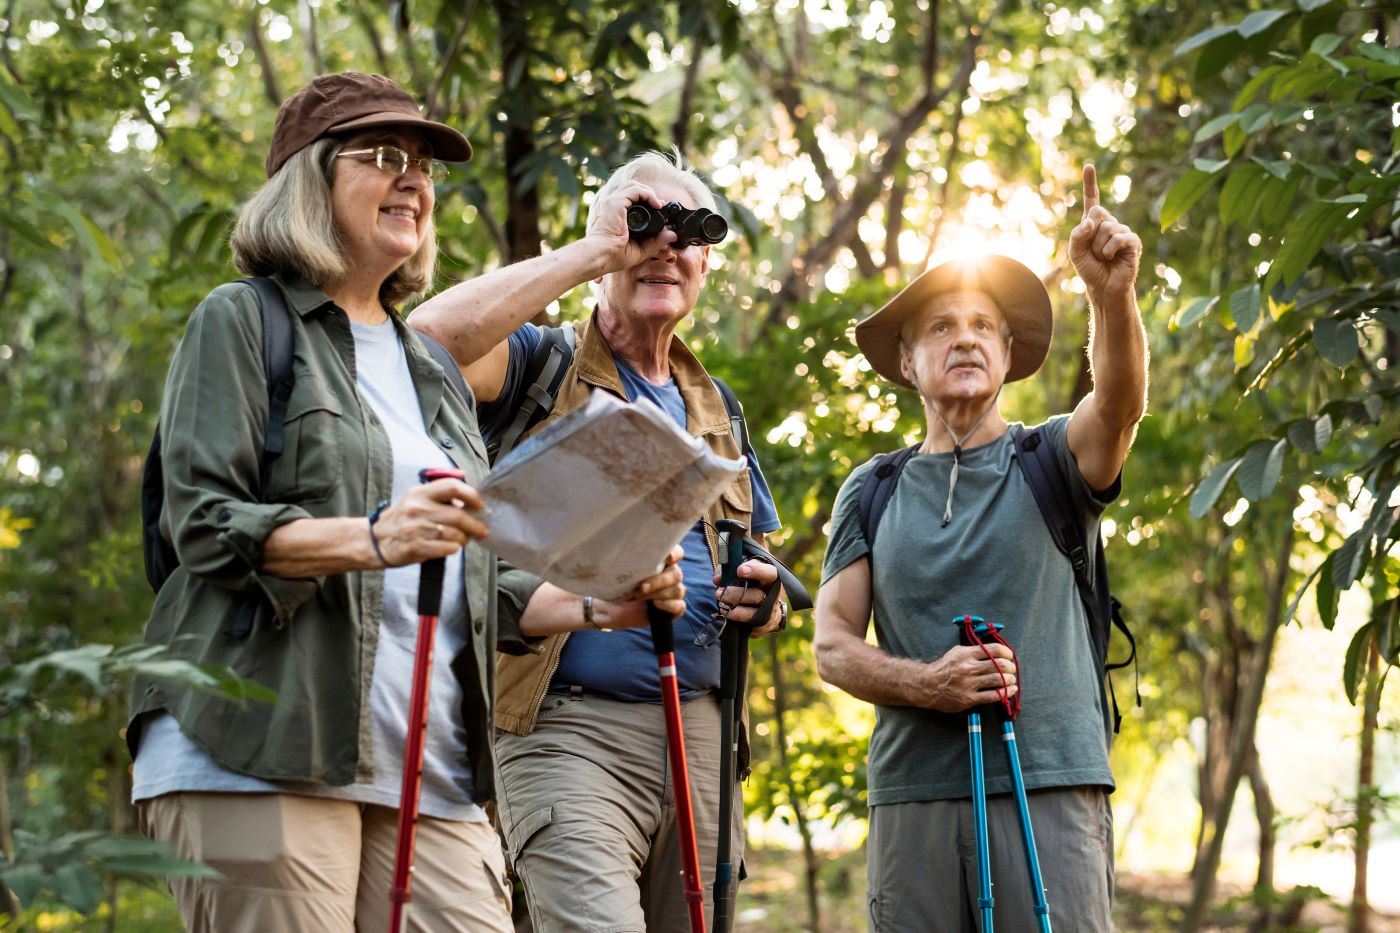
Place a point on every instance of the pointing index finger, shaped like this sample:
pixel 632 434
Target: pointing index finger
pixel 1091 189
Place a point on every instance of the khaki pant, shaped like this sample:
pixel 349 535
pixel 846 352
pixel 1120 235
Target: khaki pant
pixel 295 864
pixel 922 861
pixel 590 820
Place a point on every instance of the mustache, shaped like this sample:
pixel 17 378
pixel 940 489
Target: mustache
pixel 975 357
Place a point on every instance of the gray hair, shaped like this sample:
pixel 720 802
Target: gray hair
pixel 287 226
pixel 653 167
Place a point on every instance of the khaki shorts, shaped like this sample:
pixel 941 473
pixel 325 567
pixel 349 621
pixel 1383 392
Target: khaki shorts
pixel 298 864
pixel 589 817
pixel 922 862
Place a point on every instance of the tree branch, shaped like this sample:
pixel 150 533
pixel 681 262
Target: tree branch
pixel 796 285
pixel 313 45
pixel 431 105
pixel 376 42
pixel 680 130
pixel 269 76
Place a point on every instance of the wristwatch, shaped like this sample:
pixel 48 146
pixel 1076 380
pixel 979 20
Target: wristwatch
pixel 782 614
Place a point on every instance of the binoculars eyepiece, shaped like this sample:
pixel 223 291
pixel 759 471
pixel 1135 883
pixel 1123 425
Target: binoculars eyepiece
pixel 692 227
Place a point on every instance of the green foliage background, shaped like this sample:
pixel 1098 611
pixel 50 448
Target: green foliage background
pixel 1254 147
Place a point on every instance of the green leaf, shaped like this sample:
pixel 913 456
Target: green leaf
pixel 23 879
pixel 1239 197
pixel 90 235
pixel 1214 127
pixel 1261 468
pixel 1335 340
pixel 1210 167
pixel 1325 44
pixel 1311 435
pixel 1277 199
pixel 1251 89
pixel 1292 610
pixel 1302 240
pixel 1391 319
pixel 1307 6
pixel 1350 558
pixel 1327 593
pixel 1245 305
pixel 1257 22
pixel 1195 311
pixel 1278 168
pixel 1203 38
pixel 78 886
pixel 1354 668
pixel 1210 488
pixel 1189 189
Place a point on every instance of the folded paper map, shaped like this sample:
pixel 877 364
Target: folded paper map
pixel 594 502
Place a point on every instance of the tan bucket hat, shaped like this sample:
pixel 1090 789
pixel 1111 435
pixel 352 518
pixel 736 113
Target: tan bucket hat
pixel 351 101
pixel 1017 291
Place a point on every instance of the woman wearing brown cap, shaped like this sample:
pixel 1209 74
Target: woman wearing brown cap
pixel 298 571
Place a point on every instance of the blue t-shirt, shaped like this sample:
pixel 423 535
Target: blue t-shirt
pixel 621 664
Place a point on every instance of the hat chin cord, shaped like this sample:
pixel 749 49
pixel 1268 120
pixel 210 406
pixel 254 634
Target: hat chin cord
pixel 959 441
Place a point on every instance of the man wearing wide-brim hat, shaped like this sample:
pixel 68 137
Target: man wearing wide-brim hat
pixel 961 534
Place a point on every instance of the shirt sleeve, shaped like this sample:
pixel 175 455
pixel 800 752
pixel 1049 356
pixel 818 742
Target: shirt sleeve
pixel 212 453
pixel 846 542
pixel 514 588
pixel 764 518
pixel 1086 501
pixel 521 347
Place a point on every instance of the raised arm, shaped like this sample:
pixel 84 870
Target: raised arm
pixel 1106 254
pixel 473 319
pixel 962 678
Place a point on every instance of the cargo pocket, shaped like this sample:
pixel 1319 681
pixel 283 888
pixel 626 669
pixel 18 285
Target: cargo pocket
pixel 521 834
pixel 309 469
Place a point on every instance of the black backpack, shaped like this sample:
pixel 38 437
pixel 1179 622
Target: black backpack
pixel 1042 470
pixel 278 350
pixel 503 425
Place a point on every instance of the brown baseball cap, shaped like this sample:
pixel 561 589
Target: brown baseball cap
pixel 1017 291
pixel 352 101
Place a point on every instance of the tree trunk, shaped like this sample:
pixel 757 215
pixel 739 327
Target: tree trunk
pixel 1359 914
pixel 1242 739
pixel 1264 812
pixel 523 207
pixel 9 905
pixel 809 854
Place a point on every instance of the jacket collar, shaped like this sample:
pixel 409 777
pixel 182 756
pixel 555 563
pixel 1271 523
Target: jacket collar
pixel 705 411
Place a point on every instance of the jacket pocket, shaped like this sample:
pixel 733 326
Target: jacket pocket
pixel 310 467
pixel 738 497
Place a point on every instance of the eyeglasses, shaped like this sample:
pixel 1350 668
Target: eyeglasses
pixel 395 161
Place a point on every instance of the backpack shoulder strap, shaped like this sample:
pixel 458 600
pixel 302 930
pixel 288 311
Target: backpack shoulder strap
pixel 878 487
pixel 278 350
pixel 548 364
pixel 1047 481
pixel 449 368
pixel 737 426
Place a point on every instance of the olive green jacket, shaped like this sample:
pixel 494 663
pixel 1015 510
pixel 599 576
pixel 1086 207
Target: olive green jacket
pixel 311 641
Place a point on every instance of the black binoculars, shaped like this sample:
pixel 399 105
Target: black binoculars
pixel 692 227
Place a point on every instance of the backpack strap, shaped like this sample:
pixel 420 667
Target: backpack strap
pixel 737 427
pixel 1041 468
pixel 450 369
pixel 548 365
pixel 278 351
pixel 877 488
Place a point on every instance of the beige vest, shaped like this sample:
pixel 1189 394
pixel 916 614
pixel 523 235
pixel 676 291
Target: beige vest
pixel 522 680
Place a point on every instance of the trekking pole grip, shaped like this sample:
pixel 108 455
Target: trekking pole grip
pixel 430 574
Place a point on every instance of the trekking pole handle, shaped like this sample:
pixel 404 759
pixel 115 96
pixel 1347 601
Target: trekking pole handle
pixel 731 543
pixel 430 574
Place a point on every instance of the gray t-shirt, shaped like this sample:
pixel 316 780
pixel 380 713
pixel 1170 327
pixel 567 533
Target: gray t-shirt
pixel 995 559
pixel 168 761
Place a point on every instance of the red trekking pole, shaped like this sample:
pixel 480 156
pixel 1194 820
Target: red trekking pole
pixel 429 604
pixel 663 641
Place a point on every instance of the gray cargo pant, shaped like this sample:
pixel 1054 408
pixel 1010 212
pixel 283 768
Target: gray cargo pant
pixel 590 820
pixel 922 863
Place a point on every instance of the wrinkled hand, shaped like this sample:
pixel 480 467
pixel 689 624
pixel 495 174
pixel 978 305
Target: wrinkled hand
pixel 610 228
pixel 663 588
pixel 1105 252
pixel 965 677
pixel 432 520
pixel 743 602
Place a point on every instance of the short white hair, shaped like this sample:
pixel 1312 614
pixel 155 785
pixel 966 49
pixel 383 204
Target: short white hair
pixel 651 168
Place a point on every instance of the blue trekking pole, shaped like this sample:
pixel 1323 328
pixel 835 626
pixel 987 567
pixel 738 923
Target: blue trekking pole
pixel 971 630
